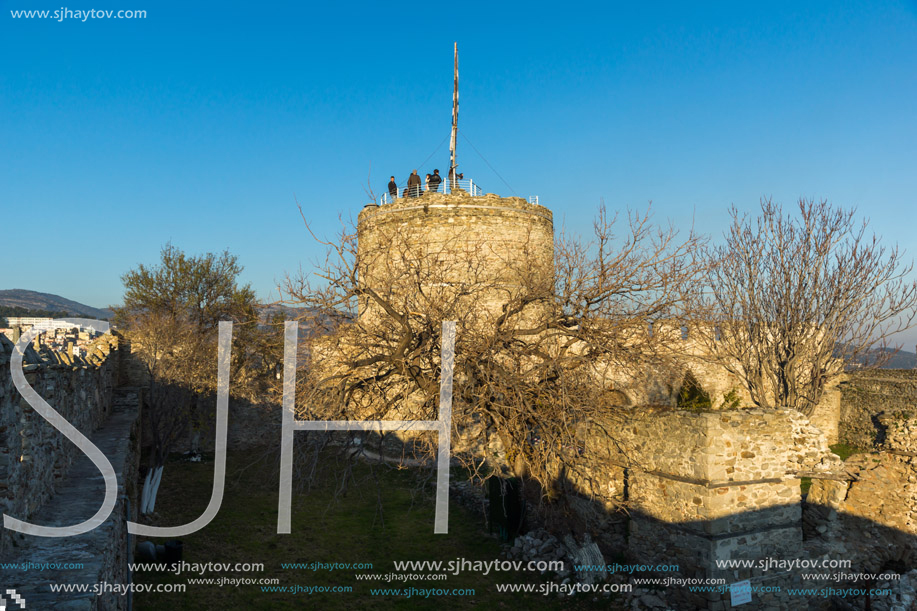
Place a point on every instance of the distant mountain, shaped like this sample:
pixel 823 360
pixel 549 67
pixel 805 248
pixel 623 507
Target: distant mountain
pixel 887 357
pixel 269 311
pixel 901 360
pixel 33 300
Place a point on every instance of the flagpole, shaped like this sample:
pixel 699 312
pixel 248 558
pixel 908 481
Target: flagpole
pixel 452 164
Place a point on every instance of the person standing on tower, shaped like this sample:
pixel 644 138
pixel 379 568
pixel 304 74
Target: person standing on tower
pixel 393 188
pixel 454 178
pixel 435 180
pixel 414 184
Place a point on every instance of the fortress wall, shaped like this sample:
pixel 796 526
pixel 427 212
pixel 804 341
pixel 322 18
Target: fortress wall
pixel 872 507
pixel 35 457
pixel 103 552
pixel 867 395
pixel 725 485
pixel 691 354
pixel 711 486
pixel 708 486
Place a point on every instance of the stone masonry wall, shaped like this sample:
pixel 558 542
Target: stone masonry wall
pixel 725 485
pixel 707 486
pixel 102 554
pixel 868 394
pixel 870 511
pixel 445 245
pixel 34 456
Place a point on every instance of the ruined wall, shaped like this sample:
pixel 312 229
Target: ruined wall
pixel 690 355
pixel 870 509
pixel 34 456
pixel 868 394
pixel 725 485
pixel 706 486
pixel 827 414
pixel 719 481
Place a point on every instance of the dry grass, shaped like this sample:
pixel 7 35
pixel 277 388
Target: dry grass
pixel 349 529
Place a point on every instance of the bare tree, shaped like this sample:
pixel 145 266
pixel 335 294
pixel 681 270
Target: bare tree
pixel 535 336
pixel 796 299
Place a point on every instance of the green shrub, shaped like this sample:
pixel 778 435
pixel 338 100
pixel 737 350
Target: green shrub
pixel 731 400
pixel 692 396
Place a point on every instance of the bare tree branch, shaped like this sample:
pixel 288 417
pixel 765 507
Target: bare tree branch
pixel 798 299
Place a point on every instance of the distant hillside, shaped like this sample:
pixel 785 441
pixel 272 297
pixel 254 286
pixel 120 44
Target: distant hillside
pixel 902 360
pixel 46 302
pixel 887 357
pixel 269 311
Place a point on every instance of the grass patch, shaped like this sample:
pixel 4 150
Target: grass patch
pixel 350 530
pixel 843 450
pixel 804 484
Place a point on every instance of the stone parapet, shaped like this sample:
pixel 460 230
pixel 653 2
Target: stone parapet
pixel 34 456
pixel 726 447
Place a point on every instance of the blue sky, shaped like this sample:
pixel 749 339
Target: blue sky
pixel 203 123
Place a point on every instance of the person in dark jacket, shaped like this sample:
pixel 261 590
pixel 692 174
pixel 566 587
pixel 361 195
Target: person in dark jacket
pixel 435 180
pixel 414 185
pixel 393 188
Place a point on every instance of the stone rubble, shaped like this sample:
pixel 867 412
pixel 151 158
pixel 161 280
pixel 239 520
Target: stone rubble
pixel 904 596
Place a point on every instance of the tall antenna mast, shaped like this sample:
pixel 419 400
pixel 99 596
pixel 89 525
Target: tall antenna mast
pixel 452 165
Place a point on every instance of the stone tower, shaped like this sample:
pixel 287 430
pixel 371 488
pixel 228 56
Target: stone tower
pixel 483 249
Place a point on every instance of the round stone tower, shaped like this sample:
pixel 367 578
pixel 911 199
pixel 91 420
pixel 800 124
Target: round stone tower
pixel 483 249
